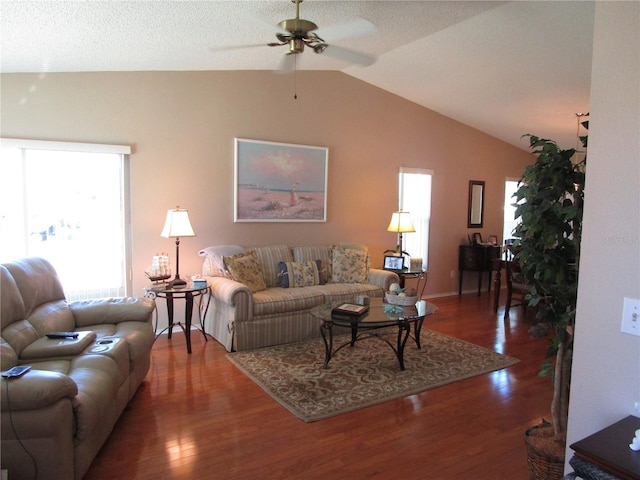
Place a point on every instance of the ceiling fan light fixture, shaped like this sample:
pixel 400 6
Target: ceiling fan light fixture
pixel 296 45
pixel 320 47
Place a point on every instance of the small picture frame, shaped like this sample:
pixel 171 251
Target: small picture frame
pixel 493 239
pixel 393 262
pixel 477 238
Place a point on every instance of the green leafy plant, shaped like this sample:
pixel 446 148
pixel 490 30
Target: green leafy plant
pixel 550 205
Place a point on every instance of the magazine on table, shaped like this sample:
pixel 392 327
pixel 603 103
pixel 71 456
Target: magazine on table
pixel 350 309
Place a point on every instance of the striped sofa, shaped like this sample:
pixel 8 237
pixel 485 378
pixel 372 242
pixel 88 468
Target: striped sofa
pixel 244 317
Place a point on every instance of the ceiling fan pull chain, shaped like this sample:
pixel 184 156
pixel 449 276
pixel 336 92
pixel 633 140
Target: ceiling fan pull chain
pixel 295 77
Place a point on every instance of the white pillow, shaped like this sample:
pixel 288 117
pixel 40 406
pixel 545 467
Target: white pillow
pixel 215 254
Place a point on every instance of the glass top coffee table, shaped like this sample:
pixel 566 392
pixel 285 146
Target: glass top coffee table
pixel 380 315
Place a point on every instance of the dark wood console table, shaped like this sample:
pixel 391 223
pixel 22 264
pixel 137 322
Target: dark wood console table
pixel 606 454
pixel 477 258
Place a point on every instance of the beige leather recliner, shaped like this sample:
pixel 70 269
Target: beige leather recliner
pixel 56 417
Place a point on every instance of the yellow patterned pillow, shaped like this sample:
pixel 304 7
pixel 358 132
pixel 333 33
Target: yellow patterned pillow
pixel 245 268
pixel 349 265
pixel 299 274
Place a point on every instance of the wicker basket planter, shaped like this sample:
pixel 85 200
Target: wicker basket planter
pixel 545 452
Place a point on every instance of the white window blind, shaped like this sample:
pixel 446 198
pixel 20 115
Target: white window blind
pixel 415 198
pixel 67 202
pixel 509 222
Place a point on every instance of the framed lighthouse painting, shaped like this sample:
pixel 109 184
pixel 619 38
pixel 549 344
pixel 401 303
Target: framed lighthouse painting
pixel 279 182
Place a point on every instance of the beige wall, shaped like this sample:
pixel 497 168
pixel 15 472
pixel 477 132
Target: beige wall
pixel 606 365
pixel 181 126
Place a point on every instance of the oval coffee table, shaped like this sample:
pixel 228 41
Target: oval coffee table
pixel 380 315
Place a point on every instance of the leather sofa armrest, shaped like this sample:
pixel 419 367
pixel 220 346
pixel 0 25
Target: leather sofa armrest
pixel 112 310
pixel 382 278
pixel 35 389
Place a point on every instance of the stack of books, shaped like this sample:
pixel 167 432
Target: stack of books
pixel 349 311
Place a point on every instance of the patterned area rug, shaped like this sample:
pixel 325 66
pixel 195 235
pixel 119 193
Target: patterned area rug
pixel 364 375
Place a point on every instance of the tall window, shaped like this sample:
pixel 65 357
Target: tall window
pixel 66 203
pixel 510 223
pixel 415 198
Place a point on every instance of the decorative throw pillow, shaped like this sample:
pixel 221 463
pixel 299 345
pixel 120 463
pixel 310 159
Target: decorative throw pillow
pixel 245 268
pixel 269 256
pixel 299 274
pixel 318 253
pixel 349 265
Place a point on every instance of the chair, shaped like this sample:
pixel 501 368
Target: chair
pixel 516 289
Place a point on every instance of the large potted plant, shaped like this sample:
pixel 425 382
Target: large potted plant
pixel 550 204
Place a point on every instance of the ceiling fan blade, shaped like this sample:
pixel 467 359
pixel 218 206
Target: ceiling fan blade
pixel 350 56
pixel 236 47
pixel 266 22
pixel 354 28
pixel 287 64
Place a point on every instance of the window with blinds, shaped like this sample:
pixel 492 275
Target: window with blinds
pixel 415 198
pixel 67 202
pixel 509 220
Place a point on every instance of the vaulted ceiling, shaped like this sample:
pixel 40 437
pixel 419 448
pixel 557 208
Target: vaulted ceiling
pixel 505 68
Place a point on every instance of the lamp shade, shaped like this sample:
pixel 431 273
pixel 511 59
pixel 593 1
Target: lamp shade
pixel 177 224
pixel 401 223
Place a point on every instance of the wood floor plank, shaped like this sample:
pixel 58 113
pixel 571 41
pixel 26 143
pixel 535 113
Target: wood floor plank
pixel 197 416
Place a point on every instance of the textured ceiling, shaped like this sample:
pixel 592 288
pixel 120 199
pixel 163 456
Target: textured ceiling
pixel 506 68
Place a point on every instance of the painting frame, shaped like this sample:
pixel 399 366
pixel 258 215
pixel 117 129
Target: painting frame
pixel 279 182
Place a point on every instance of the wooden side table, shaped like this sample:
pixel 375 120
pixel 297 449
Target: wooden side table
pixel 189 292
pixel 606 454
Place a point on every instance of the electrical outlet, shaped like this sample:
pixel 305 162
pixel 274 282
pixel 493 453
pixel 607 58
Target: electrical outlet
pixel 452 274
pixel 631 316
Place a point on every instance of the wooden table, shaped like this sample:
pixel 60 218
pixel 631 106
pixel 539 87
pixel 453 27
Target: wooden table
pixel 477 258
pixel 607 452
pixel 189 292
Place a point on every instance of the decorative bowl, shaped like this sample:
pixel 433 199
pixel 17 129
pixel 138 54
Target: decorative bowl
pixel 398 300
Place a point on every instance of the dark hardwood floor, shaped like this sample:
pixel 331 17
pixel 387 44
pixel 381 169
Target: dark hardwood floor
pixel 197 416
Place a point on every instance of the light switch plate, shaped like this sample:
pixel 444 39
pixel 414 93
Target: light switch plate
pixel 631 316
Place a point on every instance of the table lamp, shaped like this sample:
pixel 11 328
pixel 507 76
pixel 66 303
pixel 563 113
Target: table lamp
pixel 175 226
pixel 400 223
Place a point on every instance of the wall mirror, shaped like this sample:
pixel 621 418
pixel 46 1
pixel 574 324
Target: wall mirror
pixel 476 204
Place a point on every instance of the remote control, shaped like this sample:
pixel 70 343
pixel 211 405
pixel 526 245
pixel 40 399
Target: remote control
pixel 16 371
pixel 62 335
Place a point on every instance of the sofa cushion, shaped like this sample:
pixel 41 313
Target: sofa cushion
pixel 37 281
pixel 269 258
pixel 111 310
pixel 348 265
pixel 8 356
pixel 299 274
pixel 214 256
pixel 354 246
pixel 245 268
pixel 306 253
pixel 52 316
pixel 282 300
pixel 11 303
pixel 334 292
pixel 98 381
pixel 19 335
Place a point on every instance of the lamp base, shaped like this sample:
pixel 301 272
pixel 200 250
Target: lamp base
pixel 177 282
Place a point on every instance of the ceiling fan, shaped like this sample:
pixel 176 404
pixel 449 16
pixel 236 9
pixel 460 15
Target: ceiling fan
pixel 298 33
